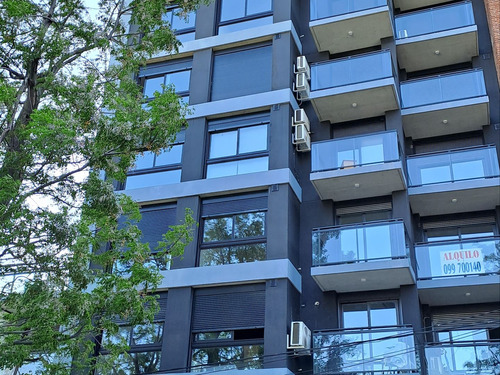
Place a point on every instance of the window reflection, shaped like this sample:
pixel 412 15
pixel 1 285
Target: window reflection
pixel 238 15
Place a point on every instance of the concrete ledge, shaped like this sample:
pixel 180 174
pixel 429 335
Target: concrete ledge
pixel 200 277
pixel 243 104
pixel 215 186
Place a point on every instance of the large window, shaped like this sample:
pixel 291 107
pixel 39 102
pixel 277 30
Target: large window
pixel 155 76
pixel 233 237
pixel 238 146
pixel 183 24
pixel 241 72
pixel 228 328
pixel 237 15
pixel 370 314
pixel 144 341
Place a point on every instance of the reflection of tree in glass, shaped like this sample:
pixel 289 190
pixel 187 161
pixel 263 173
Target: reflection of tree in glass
pixel 488 361
pixel 249 225
pixel 239 357
pixel 218 229
pixel 147 334
pixel 492 261
pixel 233 254
pixel 330 353
pixel 321 242
pixel 136 363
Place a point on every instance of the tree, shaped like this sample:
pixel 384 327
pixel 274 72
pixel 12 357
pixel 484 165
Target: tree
pixel 67 119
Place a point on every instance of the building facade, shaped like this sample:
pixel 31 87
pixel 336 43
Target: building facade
pixel 375 221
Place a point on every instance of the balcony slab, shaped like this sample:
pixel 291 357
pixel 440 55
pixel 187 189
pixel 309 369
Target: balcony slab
pixel 460 290
pixel 373 180
pixel 377 275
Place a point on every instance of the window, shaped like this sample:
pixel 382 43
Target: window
pixel 228 328
pixel 238 145
pixel 241 72
pixel 152 170
pixel 233 237
pixel 363 213
pixel 155 76
pixel 460 232
pixel 370 314
pixel 155 221
pixel 144 341
pixel 238 15
pixel 182 24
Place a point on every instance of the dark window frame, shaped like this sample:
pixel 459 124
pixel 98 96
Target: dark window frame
pixel 245 18
pixel 236 124
pixel 368 309
pixel 174 13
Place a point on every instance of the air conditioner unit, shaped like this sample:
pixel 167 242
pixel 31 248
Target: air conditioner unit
pixel 300 117
pixel 302 86
pixel 303 67
pixel 301 138
pixel 300 336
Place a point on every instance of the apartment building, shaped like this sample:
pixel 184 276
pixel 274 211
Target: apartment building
pixel 342 162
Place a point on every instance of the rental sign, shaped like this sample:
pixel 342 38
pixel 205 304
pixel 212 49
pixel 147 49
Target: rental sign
pixel 462 262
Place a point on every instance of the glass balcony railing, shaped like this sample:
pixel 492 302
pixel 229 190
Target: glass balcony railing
pixel 452 166
pixel 479 256
pixel 434 20
pixel 355 151
pixel 443 88
pixel 359 243
pixel 330 8
pixel 351 70
pixel 383 350
pixel 463 358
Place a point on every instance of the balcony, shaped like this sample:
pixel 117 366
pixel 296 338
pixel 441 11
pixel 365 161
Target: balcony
pixel 463 358
pixel 347 25
pixel 445 104
pixel 405 5
pixel 459 272
pixel 354 87
pixel 371 350
pixel 436 37
pixel 370 256
pixel 464 180
pixel 357 167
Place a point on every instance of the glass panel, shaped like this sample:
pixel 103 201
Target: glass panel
pixel 383 314
pixel 243 25
pixel 442 234
pixel 153 179
pixel 218 229
pixel 434 20
pixel 355 315
pixel 232 9
pixel 241 73
pixel 223 144
pixel 219 335
pixel 253 165
pixel 352 244
pixel 377 350
pixel 147 334
pixel 443 88
pixel 252 139
pixel 180 80
pixel 453 166
pixel 351 70
pixel 136 363
pixel 225 358
pixel 185 37
pixel 232 255
pixel 222 169
pixel 151 85
pixel 459 258
pixel 168 157
pixel 122 336
pixel 180 22
pixel 329 8
pixel 249 225
pixel 146 160
pixel 350 152
pixel 259 6
pixel 469 335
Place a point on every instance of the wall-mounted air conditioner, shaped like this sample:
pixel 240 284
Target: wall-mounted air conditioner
pixel 300 336
pixel 303 67
pixel 301 138
pixel 302 86
pixel 300 117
